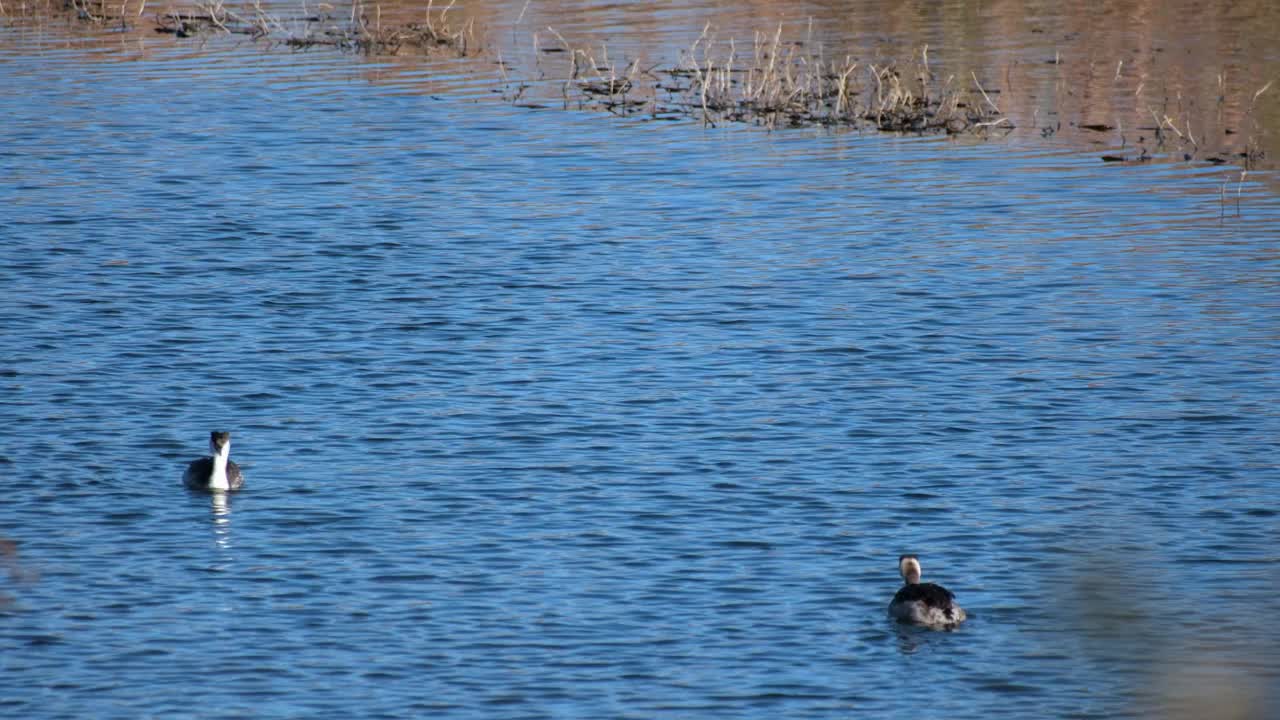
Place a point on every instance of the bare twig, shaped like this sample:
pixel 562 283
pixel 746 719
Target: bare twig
pixel 984 92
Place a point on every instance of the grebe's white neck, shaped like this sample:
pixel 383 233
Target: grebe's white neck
pixel 909 566
pixel 221 455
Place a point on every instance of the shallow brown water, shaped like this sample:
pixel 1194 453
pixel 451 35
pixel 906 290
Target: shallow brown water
pixel 1057 69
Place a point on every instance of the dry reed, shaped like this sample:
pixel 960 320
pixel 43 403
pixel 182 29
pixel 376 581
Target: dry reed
pixel 1173 131
pixel 362 30
pixel 779 83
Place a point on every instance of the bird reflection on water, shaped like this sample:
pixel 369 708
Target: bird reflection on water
pixel 220 513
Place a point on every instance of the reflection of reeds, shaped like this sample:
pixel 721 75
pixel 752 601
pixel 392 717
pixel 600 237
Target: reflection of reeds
pixel 13 569
pixel 100 11
pixel 1253 151
pixel 96 12
pixel 1198 687
pixel 1173 129
pixel 1127 617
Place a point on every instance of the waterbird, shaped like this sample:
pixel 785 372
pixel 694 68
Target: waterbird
pixel 217 473
pixel 923 603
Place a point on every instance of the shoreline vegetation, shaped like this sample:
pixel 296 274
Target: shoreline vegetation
pixel 771 81
pixel 779 83
pixel 362 31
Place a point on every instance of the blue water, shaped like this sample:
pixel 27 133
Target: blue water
pixel 550 414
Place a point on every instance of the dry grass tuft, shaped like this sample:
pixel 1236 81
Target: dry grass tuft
pixel 779 83
pixel 360 30
pixel 366 33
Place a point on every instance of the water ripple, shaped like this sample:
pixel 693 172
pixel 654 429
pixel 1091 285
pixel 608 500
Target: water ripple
pixel 543 414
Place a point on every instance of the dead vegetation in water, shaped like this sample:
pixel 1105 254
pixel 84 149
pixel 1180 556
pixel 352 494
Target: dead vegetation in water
pixel 778 83
pixel 1176 132
pixel 359 29
pixel 772 80
pixel 590 81
pixel 1183 124
pixel 90 12
pixel 1172 130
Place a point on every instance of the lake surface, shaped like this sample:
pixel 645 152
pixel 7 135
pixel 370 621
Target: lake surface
pixel 547 413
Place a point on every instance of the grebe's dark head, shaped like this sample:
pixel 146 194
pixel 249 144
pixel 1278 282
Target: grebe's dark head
pixel 909 566
pixel 220 442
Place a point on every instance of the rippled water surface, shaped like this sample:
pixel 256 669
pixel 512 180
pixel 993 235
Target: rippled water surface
pixel 551 414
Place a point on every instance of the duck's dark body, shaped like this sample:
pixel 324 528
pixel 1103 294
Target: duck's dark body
pixel 931 595
pixel 923 603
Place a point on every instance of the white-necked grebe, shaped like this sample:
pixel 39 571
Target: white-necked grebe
pixel 923 603
pixel 215 473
